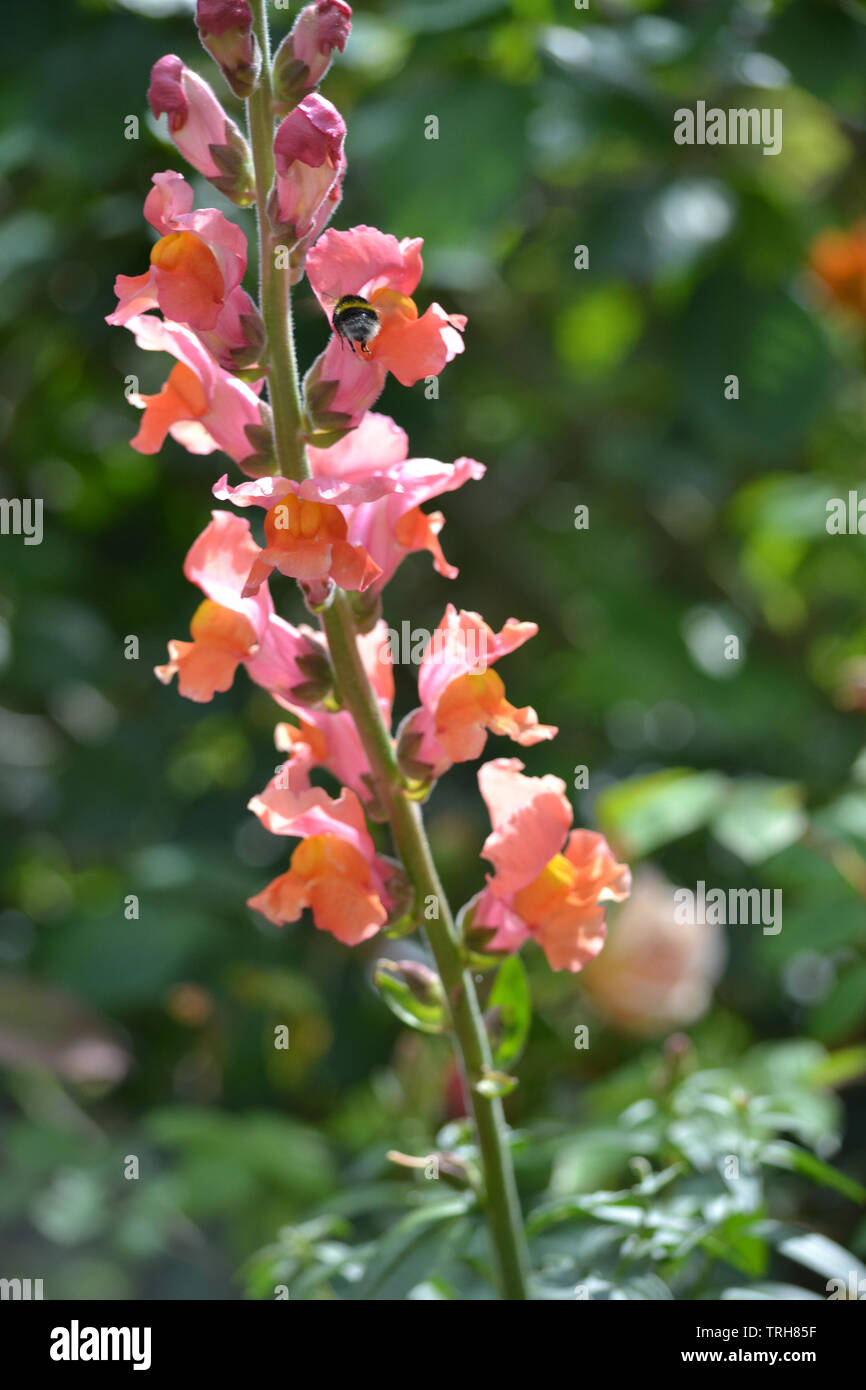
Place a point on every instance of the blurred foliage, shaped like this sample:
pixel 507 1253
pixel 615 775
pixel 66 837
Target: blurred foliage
pixel 152 1036
pixel 686 1228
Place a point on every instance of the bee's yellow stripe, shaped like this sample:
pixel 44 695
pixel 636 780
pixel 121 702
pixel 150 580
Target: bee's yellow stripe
pixel 354 304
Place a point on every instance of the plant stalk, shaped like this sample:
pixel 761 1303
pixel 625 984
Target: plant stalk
pixel 467 1025
pixel 275 291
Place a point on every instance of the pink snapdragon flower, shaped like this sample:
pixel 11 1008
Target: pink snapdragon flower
pixel 310 164
pixel 200 129
pixel 226 629
pixel 549 880
pixel 463 698
pixel 225 28
pixel 368 473
pixel 384 271
pixel 334 871
pixel 304 56
pixel 306 532
pixel 196 266
pixel 229 630
pixel 395 526
pixel 202 406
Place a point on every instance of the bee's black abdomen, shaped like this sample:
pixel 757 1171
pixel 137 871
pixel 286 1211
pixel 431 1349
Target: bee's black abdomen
pixel 355 321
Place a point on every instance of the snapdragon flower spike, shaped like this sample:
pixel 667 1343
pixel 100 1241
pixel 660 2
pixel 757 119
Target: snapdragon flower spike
pixel 463 698
pixel 334 871
pixel 330 739
pixel 309 164
pixel 202 406
pixel 549 881
pixel 229 630
pixel 200 129
pixel 225 28
pixel 196 266
pixel 342 384
pixel 305 54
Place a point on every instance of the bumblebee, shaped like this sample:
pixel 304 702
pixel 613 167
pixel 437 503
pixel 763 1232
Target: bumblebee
pixel 355 321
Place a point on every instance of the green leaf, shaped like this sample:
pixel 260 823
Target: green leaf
pixel 412 1249
pixel 736 1241
pixel 847 1064
pixel 813 1251
pixel 760 818
pixel 781 1293
pixel 432 1291
pixel 512 1002
pixel 792 1159
pixel 599 1206
pixel 840 1012
pixel 645 812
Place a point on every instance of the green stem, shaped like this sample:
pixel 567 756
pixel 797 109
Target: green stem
pixel 407 826
pixel 469 1033
pixel 276 298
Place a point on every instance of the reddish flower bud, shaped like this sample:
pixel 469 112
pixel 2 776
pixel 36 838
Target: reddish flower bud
pixel 225 28
pixel 309 164
pixel 304 56
pixel 200 128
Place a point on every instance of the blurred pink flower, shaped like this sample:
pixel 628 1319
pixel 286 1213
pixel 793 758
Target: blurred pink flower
pixel 655 973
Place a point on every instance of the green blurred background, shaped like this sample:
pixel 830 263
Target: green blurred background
pixel 602 387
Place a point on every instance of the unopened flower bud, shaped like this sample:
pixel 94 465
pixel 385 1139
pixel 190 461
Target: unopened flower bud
pixel 225 28
pixel 452 1168
pixel 309 164
pixel 413 992
pixel 201 130
pixel 304 56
